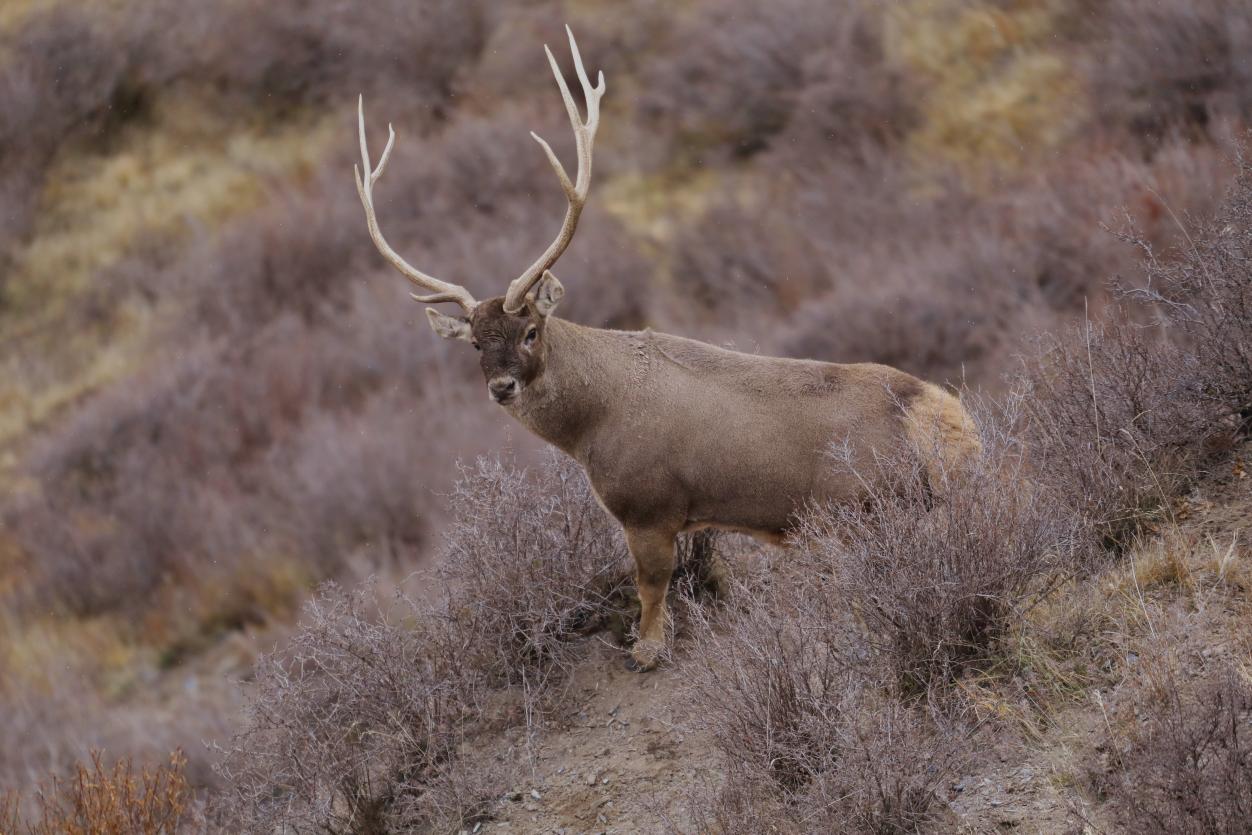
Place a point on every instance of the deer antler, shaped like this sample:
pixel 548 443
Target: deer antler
pixel 575 192
pixel 443 291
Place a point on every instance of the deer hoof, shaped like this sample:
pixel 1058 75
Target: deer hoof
pixel 634 666
pixel 643 659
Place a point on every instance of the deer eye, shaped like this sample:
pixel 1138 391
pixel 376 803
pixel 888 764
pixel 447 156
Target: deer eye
pixel 531 335
pixel 476 347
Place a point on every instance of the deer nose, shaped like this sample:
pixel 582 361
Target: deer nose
pixel 502 389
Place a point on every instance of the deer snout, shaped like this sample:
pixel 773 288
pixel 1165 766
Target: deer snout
pixel 503 389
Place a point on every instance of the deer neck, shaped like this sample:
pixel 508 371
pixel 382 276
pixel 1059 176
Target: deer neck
pixel 586 370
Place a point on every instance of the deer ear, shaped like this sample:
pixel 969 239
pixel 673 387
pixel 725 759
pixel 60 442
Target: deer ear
pixel 449 327
pixel 547 294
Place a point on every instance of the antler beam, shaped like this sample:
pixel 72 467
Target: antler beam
pixel 576 191
pixel 442 290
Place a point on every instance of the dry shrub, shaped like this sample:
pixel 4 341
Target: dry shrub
pixel 60 73
pixel 281 445
pixel 295 257
pixel 1112 421
pixel 1178 63
pixel 937 574
pixel 736 261
pixel 760 64
pixel 352 723
pixel 1181 759
pixel 1121 418
pixel 811 744
pixel 71 73
pixel 366 721
pixel 1206 294
pixel 313 49
pixel 531 561
pixel 109 800
pixel 876 314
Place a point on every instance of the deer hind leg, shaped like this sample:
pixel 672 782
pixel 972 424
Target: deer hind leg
pixel 653 551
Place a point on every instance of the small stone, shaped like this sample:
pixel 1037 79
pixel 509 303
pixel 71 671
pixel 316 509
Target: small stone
pixel 605 781
pixel 536 795
pixel 530 807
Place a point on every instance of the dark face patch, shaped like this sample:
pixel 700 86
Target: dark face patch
pixel 508 344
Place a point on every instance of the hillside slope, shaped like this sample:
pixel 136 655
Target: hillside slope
pixel 627 753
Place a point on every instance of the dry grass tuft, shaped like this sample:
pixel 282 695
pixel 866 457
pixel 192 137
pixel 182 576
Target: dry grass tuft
pixel 999 90
pixel 109 800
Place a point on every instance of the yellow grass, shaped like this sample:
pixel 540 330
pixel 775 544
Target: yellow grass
pixel 188 168
pixel 998 90
pixel 652 206
pixel 96 652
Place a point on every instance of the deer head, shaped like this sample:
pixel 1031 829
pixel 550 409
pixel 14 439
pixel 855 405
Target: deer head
pixel 507 330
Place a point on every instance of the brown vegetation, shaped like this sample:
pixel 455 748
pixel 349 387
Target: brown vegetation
pixel 938 574
pixel 1182 758
pixel 1121 417
pixel 811 744
pixel 98 799
pixel 360 723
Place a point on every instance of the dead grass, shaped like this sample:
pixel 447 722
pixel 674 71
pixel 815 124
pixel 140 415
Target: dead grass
pixel 101 799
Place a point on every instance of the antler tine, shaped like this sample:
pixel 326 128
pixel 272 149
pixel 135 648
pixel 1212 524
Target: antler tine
pixel 443 291
pixel 576 191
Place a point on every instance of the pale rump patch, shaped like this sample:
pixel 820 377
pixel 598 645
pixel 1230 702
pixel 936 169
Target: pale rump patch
pixel 940 429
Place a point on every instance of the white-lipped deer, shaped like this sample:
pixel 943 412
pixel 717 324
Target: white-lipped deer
pixel 676 435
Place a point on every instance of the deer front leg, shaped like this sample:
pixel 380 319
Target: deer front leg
pixel 653 551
